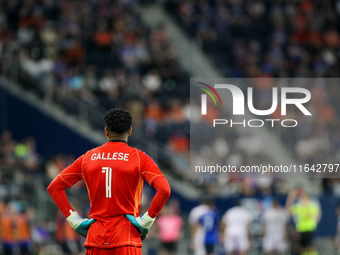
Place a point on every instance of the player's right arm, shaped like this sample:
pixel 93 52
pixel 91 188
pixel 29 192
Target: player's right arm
pixel 66 179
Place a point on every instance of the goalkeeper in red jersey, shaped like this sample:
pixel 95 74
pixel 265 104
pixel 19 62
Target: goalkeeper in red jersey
pixel 114 174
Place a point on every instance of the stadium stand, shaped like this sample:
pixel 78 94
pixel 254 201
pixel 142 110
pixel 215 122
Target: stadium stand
pixel 87 65
pixel 276 39
pixel 92 63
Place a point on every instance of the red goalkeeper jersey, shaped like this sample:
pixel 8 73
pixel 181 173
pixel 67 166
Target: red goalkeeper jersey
pixel 114 174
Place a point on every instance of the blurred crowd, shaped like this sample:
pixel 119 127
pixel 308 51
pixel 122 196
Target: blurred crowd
pixel 111 59
pixel 108 61
pixel 116 60
pixel 23 227
pixel 265 38
pixel 316 139
pixel 277 39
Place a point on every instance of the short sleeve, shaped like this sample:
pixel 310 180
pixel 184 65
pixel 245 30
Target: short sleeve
pixel 73 173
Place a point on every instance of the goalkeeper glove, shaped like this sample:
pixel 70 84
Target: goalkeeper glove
pixel 143 224
pixel 78 223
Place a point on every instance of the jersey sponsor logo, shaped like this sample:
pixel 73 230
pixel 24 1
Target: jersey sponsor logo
pixel 110 156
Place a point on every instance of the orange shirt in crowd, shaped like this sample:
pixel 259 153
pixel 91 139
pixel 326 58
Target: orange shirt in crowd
pixel 7 230
pixel 23 228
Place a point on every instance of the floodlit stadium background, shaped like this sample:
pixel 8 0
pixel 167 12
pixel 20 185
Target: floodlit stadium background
pixel 64 63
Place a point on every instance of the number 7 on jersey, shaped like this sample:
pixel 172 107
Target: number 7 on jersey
pixel 108 171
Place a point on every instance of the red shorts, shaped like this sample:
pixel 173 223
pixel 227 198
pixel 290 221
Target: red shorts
pixel 123 250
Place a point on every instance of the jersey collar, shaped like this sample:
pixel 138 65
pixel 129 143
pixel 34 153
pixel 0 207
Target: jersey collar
pixel 116 141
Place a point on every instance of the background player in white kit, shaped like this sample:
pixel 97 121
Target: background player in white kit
pixel 197 231
pixel 235 224
pixel 275 223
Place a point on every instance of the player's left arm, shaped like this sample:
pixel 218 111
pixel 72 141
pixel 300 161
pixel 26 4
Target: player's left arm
pixel 66 179
pixel 151 173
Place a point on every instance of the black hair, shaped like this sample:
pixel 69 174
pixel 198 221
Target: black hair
pixel 118 121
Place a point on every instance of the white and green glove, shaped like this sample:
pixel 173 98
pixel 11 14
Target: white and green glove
pixel 143 224
pixel 79 224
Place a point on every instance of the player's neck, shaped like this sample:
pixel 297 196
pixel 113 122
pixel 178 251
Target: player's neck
pixel 117 138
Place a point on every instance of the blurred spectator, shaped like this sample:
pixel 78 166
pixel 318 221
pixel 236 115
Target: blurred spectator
pixel 179 142
pixel 57 164
pixel 103 37
pixel 169 225
pixel 40 236
pixel 152 81
pixel 235 226
pixel 209 221
pixel 90 79
pixel 27 155
pixel 66 237
pixel 197 231
pixel 7 146
pixel 7 229
pixel 108 84
pixel 306 214
pixel 24 233
pixel 275 229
